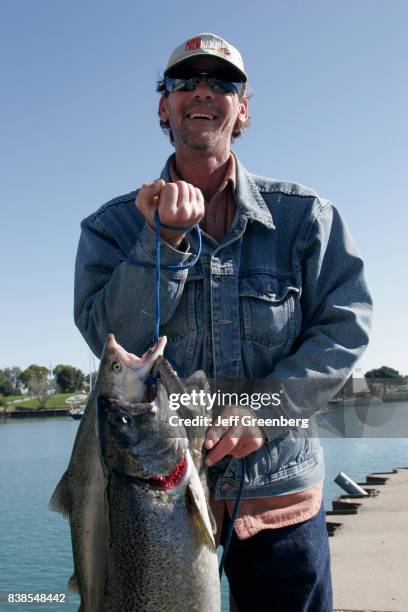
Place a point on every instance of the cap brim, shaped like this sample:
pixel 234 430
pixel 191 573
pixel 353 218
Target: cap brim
pixel 224 62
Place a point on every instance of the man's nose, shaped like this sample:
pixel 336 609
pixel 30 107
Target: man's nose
pixel 203 89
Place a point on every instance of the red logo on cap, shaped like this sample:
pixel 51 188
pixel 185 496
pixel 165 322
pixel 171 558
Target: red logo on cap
pixel 224 51
pixel 193 44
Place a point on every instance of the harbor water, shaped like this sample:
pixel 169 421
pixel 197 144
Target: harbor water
pixel 35 543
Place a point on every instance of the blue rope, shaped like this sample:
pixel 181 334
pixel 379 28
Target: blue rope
pixel 158 266
pixel 228 536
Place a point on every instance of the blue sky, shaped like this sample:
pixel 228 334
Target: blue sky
pixel 79 126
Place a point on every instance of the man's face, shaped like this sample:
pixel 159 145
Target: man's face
pixel 203 119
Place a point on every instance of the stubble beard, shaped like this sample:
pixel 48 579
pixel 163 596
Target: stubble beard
pixel 205 142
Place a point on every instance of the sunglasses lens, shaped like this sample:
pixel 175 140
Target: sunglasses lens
pixel 189 84
pixel 173 84
pixel 221 86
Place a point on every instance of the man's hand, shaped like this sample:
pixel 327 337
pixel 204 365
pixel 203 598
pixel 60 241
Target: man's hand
pixel 179 204
pixel 231 437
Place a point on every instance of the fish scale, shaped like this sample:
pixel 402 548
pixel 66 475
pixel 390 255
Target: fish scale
pixel 175 571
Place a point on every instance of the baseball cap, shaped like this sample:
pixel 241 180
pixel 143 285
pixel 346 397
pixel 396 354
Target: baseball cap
pixel 208 45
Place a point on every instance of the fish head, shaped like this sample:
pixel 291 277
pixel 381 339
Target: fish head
pixel 137 446
pixel 124 375
pixel 134 437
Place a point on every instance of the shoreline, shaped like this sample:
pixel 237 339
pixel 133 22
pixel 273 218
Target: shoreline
pixel 35 413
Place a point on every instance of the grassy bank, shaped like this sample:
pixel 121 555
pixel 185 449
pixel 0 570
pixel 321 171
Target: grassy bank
pixel 55 401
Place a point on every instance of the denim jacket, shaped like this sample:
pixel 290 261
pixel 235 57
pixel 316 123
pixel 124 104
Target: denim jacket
pixel 281 297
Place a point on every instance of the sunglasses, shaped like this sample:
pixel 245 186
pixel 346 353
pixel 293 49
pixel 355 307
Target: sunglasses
pixel 218 85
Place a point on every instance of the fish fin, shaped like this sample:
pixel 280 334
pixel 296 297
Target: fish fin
pixel 213 522
pixel 61 499
pixel 201 522
pixel 198 382
pixel 73 585
pixel 198 507
pixel 197 455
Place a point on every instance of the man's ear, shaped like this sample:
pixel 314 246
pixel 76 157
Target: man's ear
pixel 243 110
pixel 163 109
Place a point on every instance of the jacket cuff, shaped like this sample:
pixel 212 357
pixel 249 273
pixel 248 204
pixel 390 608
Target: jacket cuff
pixel 145 250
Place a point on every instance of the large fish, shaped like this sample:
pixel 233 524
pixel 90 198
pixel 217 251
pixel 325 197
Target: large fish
pixel 135 494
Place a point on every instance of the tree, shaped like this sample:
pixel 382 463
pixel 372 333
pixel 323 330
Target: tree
pixel 34 373
pixel 68 378
pixel 379 378
pixel 383 372
pixel 40 389
pixel 13 374
pixel 6 386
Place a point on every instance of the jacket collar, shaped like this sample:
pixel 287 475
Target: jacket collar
pixel 250 203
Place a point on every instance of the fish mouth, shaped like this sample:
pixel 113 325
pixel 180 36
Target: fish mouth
pixel 170 481
pixel 160 482
pixel 116 406
pixel 131 360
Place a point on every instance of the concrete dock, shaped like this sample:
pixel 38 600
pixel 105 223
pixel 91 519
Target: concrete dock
pixel 370 549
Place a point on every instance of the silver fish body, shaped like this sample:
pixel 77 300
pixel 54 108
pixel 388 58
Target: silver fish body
pixel 134 493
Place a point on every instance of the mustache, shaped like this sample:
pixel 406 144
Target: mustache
pixel 209 107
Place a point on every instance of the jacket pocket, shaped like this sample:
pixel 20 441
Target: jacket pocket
pixel 269 311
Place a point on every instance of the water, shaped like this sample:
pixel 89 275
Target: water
pixel 35 543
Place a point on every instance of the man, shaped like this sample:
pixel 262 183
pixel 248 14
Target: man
pixel 277 294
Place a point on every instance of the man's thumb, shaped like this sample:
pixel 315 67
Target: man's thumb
pixel 155 187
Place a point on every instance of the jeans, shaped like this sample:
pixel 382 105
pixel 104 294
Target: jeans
pixel 282 570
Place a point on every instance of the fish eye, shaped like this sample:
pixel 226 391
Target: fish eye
pixel 116 366
pixel 124 419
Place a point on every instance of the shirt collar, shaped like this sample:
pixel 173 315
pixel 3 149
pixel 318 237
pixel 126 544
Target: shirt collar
pixel 250 203
pixel 229 177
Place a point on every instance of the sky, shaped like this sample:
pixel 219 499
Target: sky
pixel 79 126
